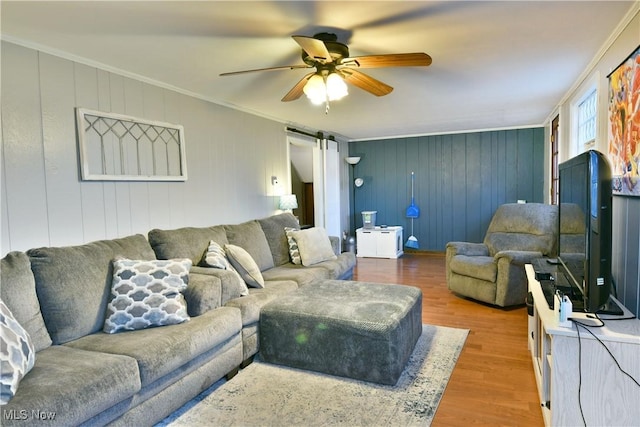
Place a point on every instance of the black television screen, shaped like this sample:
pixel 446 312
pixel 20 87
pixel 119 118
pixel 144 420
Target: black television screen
pixel 584 243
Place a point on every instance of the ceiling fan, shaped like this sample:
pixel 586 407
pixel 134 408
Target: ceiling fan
pixel 334 67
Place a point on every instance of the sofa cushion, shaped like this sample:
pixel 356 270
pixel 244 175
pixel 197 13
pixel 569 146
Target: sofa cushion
pixel 294 250
pixel 481 267
pixel 187 242
pixel 572 230
pixel 497 242
pixel 301 275
pixel 245 265
pixel 250 305
pixel 523 227
pixel 314 245
pixel 273 228
pixel 146 294
pixel 73 384
pixel 18 291
pixel 251 238
pixel 74 283
pixel 338 266
pixel 17 354
pixel 160 351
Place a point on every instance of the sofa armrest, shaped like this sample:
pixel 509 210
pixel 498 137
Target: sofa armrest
pixel 232 285
pixel 335 244
pixel 511 281
pixel 466 248
pixel 202 294
pixel 518 257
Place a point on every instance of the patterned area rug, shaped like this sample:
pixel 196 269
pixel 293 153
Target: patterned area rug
pixel 270 395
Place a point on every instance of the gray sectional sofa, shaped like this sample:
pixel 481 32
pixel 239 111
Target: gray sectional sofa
pixel 84 376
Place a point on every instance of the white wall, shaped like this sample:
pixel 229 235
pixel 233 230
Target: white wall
pixel 623 42
pixel 626 210
pixel 231 157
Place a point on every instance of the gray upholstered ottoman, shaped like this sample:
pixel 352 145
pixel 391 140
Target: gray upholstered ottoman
pixel 360 330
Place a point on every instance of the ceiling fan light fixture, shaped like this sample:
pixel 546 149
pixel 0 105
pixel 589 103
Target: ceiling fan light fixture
pixel 315 89
pixel 320 89
pixel 336 87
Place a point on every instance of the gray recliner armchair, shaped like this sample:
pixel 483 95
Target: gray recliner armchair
pixel 493 271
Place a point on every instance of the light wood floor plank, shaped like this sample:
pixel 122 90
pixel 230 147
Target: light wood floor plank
pixel 493 382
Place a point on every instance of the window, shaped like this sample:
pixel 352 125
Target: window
pixel 587 119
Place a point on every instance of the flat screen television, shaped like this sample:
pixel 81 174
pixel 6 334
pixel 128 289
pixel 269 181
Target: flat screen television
pixel 584 238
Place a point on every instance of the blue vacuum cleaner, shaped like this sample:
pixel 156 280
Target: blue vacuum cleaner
pixel 413 212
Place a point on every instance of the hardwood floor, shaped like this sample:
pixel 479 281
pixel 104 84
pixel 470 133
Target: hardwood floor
pixel 493 382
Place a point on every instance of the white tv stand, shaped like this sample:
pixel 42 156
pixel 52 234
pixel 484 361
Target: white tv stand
pixel 608 397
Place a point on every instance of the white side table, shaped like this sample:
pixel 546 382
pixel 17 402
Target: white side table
pixel 379 242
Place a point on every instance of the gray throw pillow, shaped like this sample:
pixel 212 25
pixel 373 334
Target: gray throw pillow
pixel 146 294
pixel 245 266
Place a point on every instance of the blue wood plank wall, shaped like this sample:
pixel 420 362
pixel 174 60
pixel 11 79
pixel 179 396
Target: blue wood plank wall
pixel 460 181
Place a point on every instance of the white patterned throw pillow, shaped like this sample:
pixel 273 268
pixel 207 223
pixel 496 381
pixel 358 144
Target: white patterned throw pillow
pixel 146 294
pixel 215 257
pixel 294 251
pixel 17 354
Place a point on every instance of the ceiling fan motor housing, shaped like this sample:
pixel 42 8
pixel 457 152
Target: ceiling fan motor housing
pixel 336 49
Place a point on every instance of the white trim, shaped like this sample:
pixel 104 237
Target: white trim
pixel 456 132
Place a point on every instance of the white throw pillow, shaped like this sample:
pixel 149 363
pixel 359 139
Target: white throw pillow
pixel 17 355
pixel 245 265
pixel 146 294
pixel 314 245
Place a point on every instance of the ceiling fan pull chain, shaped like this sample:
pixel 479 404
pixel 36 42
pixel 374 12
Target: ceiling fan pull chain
pixel 326 94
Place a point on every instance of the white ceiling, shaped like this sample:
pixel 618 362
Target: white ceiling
pixel 495 64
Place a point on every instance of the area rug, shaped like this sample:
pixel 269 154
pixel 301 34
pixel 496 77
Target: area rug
pixel 264 394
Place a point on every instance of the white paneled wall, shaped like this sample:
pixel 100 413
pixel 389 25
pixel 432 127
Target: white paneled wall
pixel 231 157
